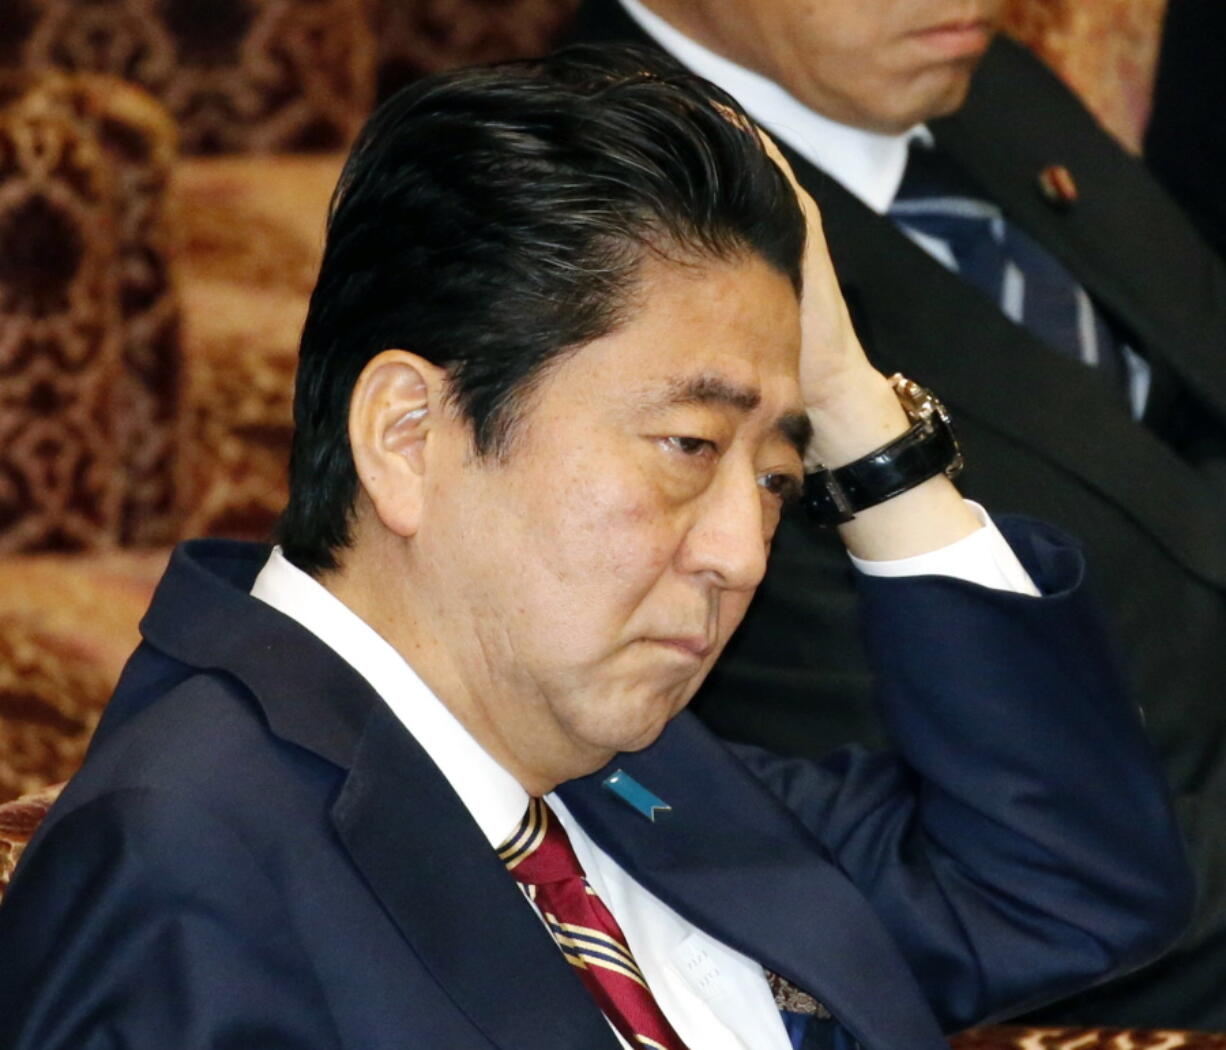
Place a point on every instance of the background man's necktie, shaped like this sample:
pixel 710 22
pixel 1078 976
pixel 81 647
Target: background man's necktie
pixel 539 855
pixel 946 213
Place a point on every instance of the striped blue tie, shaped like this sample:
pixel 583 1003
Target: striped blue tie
pixel 940 208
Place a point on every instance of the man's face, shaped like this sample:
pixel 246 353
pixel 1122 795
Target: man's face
pixel 885 65
pixel 589 579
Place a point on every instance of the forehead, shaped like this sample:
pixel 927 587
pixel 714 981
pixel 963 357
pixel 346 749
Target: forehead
pixel 699 325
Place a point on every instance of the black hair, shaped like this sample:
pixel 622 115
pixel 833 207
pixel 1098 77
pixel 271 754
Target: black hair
pixel 493 218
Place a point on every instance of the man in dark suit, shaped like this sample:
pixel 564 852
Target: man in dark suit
pixel 1072 319
pixel 553 392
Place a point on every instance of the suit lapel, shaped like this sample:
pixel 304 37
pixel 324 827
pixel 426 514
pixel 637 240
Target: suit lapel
pixel 406 830
pixel 443 886
pixel 732 861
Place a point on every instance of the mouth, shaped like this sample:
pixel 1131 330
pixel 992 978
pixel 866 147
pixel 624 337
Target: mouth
pixel 964 39
pixel 696 646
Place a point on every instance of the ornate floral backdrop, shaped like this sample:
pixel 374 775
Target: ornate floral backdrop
pixel 1104 49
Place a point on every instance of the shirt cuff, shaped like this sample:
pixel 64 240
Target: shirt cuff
pixel 984 557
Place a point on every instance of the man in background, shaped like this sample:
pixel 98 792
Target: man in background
pixel 993 241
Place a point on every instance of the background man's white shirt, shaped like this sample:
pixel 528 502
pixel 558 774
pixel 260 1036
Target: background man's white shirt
pixel 868 164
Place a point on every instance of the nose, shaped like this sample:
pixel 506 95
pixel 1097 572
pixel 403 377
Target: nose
pixel 728 540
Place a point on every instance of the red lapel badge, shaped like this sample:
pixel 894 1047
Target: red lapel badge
pixel 1057 185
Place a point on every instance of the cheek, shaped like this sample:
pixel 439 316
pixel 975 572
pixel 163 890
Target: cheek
pixel 605 546
pixel 846 29
pixel 620 532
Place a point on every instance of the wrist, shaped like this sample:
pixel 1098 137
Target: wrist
pixel 836 494
pixel 856 413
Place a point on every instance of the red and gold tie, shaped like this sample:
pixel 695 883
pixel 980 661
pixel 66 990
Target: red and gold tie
pixel 539 855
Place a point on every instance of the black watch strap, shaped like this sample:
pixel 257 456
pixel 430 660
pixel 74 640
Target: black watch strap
pixel 928 448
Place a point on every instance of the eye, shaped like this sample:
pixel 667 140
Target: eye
pixel 787 488
pixel 688 446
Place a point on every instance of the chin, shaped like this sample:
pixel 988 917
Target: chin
pixel 644 734
pixel 643 740
pixel 950 99
pixel 648 727
pixel 629 719
pixel 938 92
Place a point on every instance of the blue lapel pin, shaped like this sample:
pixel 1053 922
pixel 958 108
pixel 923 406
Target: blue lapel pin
pixel 637 797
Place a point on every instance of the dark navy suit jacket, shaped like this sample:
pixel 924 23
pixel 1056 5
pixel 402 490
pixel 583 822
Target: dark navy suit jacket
pixel 256 854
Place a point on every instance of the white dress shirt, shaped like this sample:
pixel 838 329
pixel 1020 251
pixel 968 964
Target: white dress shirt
pixel 715 997
pixel 868 164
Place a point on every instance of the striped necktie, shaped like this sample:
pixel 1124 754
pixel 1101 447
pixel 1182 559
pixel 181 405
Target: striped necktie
pixel 943 210
pixel 539 855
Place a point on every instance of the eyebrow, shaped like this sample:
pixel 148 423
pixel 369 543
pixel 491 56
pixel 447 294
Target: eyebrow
pixel 716 390
pixel 713 390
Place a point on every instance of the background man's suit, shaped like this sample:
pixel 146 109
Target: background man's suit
pixel 1045 436
pixel 257 854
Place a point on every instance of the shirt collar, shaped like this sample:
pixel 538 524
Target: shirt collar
pixel 493 797
pixel 868 164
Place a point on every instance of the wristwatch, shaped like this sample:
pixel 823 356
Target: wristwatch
pixel 928 448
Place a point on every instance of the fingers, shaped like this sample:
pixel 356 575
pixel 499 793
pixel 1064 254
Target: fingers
pixel 847 398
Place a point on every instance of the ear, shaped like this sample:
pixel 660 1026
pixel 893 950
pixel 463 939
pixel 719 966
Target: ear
pixel 395 403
